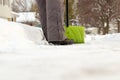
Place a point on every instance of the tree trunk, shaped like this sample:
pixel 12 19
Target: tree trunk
pixel 118 23
pixel 104 30
pixel 99 30
pixel 107 26
pixel 103 27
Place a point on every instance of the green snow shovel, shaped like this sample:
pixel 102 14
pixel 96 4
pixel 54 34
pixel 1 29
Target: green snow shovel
pixel 76 33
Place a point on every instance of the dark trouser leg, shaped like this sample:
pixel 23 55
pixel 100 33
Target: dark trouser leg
pixel 55 29
pixel 42 13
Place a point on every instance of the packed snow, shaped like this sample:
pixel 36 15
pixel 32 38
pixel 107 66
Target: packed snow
pixel 26 55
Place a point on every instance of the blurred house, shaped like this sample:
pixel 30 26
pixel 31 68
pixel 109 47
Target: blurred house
pixel 6 10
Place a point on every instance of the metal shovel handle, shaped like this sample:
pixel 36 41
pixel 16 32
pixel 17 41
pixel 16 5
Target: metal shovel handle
pixel 67 14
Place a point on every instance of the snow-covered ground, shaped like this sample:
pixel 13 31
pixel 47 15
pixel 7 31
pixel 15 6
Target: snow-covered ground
pixel 25 55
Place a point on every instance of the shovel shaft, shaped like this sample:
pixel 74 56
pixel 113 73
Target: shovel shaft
pixel 67 14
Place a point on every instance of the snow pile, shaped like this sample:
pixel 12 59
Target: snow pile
pixel 112 37
pixel 26 17
pixel 16 35
pixel 107 37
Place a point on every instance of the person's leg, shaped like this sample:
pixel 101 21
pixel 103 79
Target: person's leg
pixel 55 29
pixel 42 13
pixel 63 10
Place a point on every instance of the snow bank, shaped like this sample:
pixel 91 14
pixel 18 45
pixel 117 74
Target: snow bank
pixel 26 17
pixel 16 35
pixel 111 37
pixel 106 38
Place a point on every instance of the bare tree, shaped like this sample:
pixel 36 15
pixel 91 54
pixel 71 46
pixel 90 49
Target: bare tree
pixel 21 5
pixel 118 14
pixel 97 13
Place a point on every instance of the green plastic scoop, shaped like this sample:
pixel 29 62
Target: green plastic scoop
pixel 76 33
